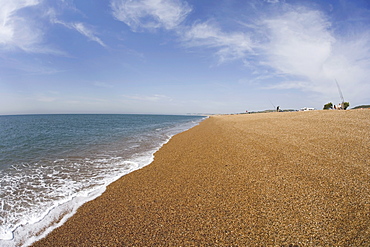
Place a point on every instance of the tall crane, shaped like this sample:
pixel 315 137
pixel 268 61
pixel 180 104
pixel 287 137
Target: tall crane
pixel 340 93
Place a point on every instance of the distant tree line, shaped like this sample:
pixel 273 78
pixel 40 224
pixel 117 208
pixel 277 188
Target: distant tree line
pixel 361 106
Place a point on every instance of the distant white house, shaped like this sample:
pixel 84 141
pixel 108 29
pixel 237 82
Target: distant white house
pixel 307 109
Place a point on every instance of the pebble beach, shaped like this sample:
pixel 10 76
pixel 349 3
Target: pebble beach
pixel 268 179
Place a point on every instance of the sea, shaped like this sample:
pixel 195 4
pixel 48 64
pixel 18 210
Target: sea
pixel 52 164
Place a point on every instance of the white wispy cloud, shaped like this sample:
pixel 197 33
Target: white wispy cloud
pixel 291 42
pixel 102 84
pixel 228 46
pixel 150 14
pixel 82 29
pixel 150 98
pixel 349 63
pixel 17 31
pixel 77 26
pixel 294 47
pixel 299 42
pixel 169 14
pixel 14 66
pixel 303 47
pixel 43 98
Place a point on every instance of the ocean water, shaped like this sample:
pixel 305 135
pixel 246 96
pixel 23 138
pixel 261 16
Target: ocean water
pixel 52 164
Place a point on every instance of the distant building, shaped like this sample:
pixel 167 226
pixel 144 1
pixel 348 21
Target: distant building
pixel 307 109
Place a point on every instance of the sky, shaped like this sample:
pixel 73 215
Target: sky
pixel 181 56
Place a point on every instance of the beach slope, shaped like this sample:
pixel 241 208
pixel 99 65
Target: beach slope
pixel 272 179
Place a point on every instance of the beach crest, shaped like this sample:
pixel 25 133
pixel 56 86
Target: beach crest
pixel 272 179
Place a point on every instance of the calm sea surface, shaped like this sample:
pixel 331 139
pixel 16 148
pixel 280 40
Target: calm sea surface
pixel 52 164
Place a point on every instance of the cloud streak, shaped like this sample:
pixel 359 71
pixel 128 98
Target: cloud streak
pixel 82 29
pixel 150 14
pixel 149 98
pixel 77 26
pixel 228 46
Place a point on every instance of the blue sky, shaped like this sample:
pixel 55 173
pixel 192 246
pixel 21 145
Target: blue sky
pixel 178 57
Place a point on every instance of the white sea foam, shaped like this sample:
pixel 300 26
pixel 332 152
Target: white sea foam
pixel 57 197
pixel 38 197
